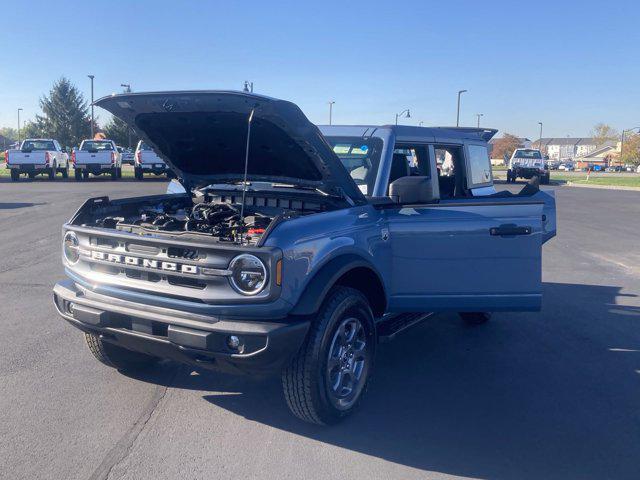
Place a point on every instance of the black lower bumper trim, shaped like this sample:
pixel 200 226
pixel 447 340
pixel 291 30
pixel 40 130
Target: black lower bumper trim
pixel 264 347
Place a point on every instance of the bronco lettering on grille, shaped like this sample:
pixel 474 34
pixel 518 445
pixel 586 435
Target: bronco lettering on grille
pixel 145 262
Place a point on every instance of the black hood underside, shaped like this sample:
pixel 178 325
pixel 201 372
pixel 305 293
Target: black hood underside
pixel 202 135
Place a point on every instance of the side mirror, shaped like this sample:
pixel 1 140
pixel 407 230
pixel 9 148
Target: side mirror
pixel 412 190
pixel 64 149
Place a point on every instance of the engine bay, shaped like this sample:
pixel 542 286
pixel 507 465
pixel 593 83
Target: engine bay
pixel 218 216
pixel 218 220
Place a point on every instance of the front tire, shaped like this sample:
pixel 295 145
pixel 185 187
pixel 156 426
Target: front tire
pixel 117 357
pixel 52 172
pixel 326 380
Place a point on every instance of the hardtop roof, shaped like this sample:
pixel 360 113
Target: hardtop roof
pixel 408 131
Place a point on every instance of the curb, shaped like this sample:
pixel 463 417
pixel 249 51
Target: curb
pixel 603 187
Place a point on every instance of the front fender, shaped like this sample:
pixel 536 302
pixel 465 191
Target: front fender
pixel 321 282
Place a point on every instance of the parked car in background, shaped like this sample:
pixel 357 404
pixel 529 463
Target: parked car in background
pixel 527 163
pixel 97 157
pixel 38 156
pixel 338 236
pixel 566 167
pixel 148 161
pixel 127 156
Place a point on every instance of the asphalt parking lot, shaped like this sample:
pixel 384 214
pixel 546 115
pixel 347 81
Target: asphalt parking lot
pixel 547 395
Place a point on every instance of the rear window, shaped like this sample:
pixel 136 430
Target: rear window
pixel 145 147
pixel 528 154
pixel 96 145
pixel 38 145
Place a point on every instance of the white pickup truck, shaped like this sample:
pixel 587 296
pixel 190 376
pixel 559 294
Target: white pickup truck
pixel 147 161
pixel 97 157
pixel 528 163
pixel 38 156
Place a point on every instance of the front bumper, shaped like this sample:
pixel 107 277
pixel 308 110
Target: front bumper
pixel 182 336
pixel 529 172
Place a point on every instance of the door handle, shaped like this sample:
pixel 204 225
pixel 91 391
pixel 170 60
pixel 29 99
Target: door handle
pixel 510 230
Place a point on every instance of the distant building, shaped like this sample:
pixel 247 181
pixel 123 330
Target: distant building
pixel 569 147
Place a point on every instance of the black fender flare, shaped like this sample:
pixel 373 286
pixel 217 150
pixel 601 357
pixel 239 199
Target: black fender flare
pixel 325 278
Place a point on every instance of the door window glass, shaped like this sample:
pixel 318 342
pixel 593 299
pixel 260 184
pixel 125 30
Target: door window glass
pixel 479 165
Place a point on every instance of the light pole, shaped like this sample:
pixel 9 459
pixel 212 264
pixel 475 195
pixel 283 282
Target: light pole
pixel 460 92
pixel 92 117
pixel 19 110
pixel 331 110
pixel 248 86
pixel 540 140
pixel 403 114
pixel 127 89
pixel 479 115
pixel 622 140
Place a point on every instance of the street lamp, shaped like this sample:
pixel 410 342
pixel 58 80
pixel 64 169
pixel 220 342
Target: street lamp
pixel 403 114
pixel 127 89
pixel 92 117
pixel 540 140
pixel 479 115
pixel 622 139
pixel 460 92
pixel 330 110
pixel 19 110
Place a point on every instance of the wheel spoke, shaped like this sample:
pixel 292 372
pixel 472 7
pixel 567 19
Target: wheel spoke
pixel 350 329
pixel 334 361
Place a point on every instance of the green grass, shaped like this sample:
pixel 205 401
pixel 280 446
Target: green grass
pixel 630 181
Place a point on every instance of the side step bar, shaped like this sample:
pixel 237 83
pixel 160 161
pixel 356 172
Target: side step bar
pixel 388 328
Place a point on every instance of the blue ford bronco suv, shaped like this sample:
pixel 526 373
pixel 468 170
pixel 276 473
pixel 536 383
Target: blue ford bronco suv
pixel 294 249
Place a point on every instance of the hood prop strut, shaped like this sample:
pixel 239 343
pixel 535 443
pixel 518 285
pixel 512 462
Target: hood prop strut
pixel 244 179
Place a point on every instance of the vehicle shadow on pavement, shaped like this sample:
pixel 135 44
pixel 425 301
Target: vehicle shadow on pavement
pixel 527 396
pixel 16 205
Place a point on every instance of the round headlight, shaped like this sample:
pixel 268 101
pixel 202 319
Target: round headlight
pixel 70 246
pixel 248 274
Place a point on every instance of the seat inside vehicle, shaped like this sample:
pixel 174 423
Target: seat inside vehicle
pixel 399 167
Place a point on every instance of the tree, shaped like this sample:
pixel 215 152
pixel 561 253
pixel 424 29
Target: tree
pixel 119 132
pixel 9 133
pixel 631 149
pixel 505 145
pixel 65 114
pixel 32 130
pixel 603 133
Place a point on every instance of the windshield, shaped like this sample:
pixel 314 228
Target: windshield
pixel 528 154
pixel 96 145
pixel 361 157
pixel 38 145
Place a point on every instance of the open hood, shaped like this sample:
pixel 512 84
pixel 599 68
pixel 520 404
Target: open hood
pixel 202 135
